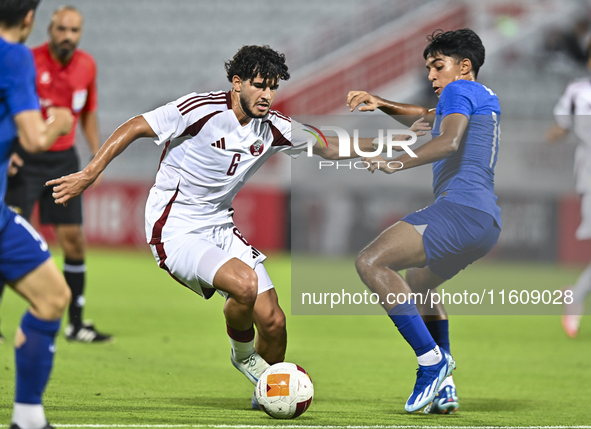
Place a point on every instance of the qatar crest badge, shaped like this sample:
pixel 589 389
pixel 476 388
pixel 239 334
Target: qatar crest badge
pixel 257 148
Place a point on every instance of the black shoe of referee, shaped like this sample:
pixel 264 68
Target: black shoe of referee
pixel 86 333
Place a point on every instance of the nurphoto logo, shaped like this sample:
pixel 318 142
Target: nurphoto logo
pixel 317 136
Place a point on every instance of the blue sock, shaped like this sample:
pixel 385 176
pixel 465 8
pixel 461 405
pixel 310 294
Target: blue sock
pixel 410 324
pixel 439 330
pixel 34 358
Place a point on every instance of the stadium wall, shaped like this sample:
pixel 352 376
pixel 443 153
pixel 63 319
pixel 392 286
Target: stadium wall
pixel 381 60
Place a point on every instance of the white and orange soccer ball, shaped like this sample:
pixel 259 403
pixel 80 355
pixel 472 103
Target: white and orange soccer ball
pixel 284 391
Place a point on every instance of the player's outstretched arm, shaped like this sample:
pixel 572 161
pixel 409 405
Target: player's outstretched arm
pixel 35 134
pixel 332 150
pixel 447 143
pixel 67 187
pixel 406 113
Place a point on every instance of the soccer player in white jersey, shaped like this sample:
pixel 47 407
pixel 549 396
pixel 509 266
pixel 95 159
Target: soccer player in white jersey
pixel 189 214
pixel 573 112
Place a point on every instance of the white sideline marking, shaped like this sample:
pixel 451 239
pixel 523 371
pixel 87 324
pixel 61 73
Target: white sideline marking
pixel 314 427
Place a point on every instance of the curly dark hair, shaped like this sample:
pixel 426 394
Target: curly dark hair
pixel 252 61
pixel 459 44
pixel 12 12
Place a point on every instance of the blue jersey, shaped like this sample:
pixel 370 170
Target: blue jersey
pixel 467 176
pixel 17 93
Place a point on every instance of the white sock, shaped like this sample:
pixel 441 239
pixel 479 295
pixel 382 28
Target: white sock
pixel 583 286
pixel 241 350
pixel 29 416
pixel 432 357
pixel 449 381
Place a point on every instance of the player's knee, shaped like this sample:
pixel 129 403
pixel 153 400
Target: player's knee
pixel 54 305
pixel 248 288
pixel 365 265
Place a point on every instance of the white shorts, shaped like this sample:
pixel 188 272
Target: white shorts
pixel 584 229
pixel 194 258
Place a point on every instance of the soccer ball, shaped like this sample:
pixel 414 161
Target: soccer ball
pixel 284 391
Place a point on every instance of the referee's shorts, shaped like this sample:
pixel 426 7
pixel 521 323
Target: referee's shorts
pixel 28 187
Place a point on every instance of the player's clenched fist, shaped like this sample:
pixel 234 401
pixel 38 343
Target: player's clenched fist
pixel 67 187
pixel 63 118
pixel 355 98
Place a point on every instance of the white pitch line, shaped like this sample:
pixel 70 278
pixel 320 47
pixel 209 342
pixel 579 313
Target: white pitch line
pixel 310 426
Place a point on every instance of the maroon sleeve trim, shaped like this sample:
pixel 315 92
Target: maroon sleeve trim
pixel 278 138
pixel 194 129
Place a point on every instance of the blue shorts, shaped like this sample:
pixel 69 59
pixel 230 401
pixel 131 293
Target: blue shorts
pixel 22 249
pixel 454 236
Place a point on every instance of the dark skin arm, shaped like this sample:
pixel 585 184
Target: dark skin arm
pixel 406 114
pixel 67 187
pixel 447 143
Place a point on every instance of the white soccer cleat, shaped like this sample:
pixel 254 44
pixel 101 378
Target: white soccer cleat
pixel 252 367
pixel 570 324
pixel 571 316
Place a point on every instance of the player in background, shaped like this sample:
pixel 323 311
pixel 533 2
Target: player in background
pixel 26 265
pixel 189 224
pixel 463 224
pixel 66 77
pixel 572 112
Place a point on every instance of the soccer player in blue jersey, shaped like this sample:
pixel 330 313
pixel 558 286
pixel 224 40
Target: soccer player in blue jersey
pixel 25 263
pixel 463 224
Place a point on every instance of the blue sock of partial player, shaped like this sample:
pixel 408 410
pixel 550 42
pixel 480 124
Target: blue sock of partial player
pixel 34 358
pixel 412 327
pixel 439 330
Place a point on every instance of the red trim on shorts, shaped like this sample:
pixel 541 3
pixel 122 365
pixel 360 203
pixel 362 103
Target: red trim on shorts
pixel 161 255
pixel 157 236
pixel 241 336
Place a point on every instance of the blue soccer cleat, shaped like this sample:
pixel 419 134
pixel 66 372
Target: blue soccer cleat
pixel 446 402
pixel 254 403
pixel 429 379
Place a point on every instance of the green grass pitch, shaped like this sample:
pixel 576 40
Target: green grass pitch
pixel 170 363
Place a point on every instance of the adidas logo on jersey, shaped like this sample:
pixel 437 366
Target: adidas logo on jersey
pixel 255 253
pixel 221 144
